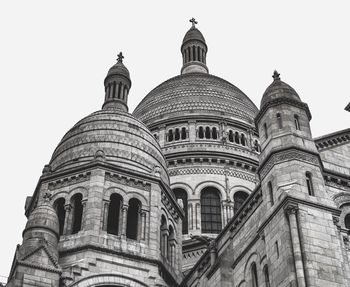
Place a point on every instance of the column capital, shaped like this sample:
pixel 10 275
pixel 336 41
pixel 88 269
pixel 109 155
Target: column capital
pixel 291 209
pixel 67 207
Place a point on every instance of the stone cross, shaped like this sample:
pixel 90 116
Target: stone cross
pixel 276 75
pixel 193 21
pixel 120 57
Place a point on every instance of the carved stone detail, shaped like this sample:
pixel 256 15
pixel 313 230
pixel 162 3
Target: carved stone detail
pixel 69 180
pixel 289 155
pixel 124 180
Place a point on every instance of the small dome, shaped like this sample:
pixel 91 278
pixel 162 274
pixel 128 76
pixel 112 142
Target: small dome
pixel 119 69
pixel 193 34
pixel 278 89
pixel 43 216
pixel 115 137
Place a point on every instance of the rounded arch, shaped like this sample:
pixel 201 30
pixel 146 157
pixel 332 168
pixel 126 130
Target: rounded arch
pixel 109 279
pixel 253 258
pixel 142 199
pixel 237 188
pixel 109 191
pixel 209 183
pixel 59 206
pixel 60 194
pixel 79 189
pixel 184 186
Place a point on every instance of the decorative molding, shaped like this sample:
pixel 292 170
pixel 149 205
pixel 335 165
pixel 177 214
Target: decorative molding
pixel 219 171
pixel 287 155
pixel 169 206
pixel 74 179
pixel 129 181
pixel 280 101
pixel 333 139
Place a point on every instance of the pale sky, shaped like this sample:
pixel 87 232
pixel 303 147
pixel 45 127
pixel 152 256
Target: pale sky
pixel 55 55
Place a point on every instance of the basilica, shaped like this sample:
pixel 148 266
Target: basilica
pixel 196 187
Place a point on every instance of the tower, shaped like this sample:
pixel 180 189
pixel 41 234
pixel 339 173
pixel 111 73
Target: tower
pixel 108 217
pixel 302 215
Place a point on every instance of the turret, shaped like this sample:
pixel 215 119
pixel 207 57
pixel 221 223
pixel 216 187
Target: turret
pixel 289 160
pixel 117 86
pixel 194 51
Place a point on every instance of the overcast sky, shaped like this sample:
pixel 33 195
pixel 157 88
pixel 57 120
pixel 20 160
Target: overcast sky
pixel 55 55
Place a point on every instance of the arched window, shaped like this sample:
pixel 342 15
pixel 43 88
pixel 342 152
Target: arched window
pixel 189 54
pixel 271 193
pixel 182 195
pixel 296 122
pixel 183 133
pixel 133 220
pixel 266 276
pixel 201 133
pixel 210 210
pixel 243 140
pixel 163 240
pixel 279 120
pixel 114 214
pixel 207 133
pixel 236 137
pixel 194 53
pixel 347 221
pixel 199 53
pixel 265 131
pixel 61 213
pixel 254 275
pixel 230 136
pixel 214 134
pixel 177 134
pixel 238 199
pixel 77 212
pixel 170 136
pixel 310 187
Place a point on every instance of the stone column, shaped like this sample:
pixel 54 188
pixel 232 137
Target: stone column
pixel 67 220
pixel 143 225
pixel 172 251
pixel 124 219
pixel 190 216
pixel 105 215
pixel 192 131
pixel 83 203
pixel 213 252
pixel 291 212
pixel 198 216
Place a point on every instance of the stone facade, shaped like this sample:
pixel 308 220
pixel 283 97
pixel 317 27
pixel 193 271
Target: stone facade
pixel 198 187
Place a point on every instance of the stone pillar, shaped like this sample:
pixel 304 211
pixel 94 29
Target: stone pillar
pixel 197 214
pixel 83 203
pixel 291 212
pixel 165 236
pixel 124 218
pixel 143 225
pixel 161 136
pixel 172 252
pixel 213 252
pixel 105 215
pixel 192 131
pixel 67 220
pixel 190 216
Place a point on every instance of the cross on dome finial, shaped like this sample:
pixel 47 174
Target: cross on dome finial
pixel 276 76
pixel 120 57
pixel 194 22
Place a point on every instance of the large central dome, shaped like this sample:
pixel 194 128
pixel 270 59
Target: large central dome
pixel 196 94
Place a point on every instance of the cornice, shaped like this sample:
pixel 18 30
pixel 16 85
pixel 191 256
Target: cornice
pixel 288 154
pixel 281 101
pixel 333 140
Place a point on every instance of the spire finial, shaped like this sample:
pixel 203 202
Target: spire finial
pixel 120 57
pixel 276 76
pixel 194 22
